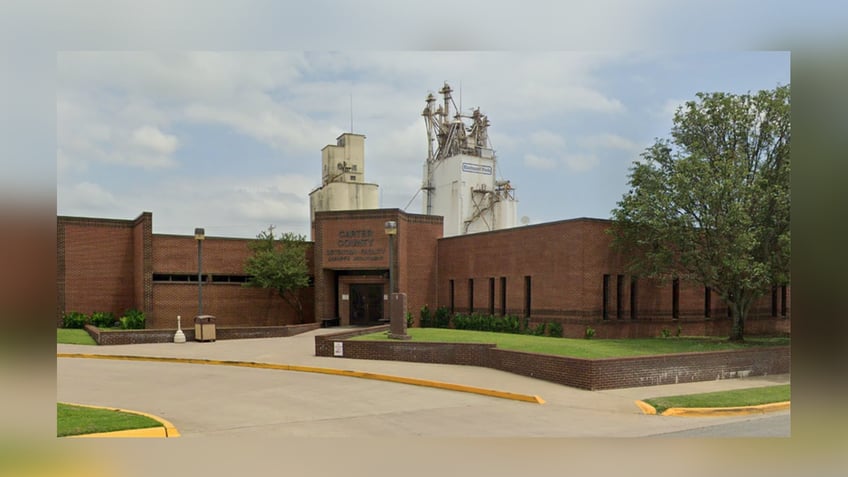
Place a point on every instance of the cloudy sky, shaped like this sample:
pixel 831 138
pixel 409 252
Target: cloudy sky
pixel 232 141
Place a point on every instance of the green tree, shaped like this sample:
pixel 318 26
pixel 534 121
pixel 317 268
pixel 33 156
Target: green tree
pixel 711 204
pixel 279 263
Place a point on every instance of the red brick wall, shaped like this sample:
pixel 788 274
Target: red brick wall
pixel 611 373
pixel 418 260
pixel 415 249
pixel 566 262
pixel 143 262
pixel 231 303
pixel 551 254
pixel 329 229
pixel 178 254
pixel 108 265
pixel 97 265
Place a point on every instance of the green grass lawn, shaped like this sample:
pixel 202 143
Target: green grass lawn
pixel 735 398
pixel 73 336
pixel 77 420
pixel 582 348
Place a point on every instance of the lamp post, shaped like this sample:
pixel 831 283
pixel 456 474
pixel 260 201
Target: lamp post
pixel 199 235
pixel 391 231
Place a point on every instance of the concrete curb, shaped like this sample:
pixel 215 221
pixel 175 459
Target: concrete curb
pixel 165 431
pixel 715 411
pixel 310 369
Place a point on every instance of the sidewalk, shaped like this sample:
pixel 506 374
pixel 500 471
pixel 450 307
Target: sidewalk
pixel 340 407
pixel 300 350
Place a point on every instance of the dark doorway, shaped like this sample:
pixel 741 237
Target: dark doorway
pixel 366 303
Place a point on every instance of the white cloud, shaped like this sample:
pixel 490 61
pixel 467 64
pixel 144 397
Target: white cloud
pixel 149 110
pixel 107 98
pixel 395 150
pixel 536 162
pixel 611 141
pixel 669 107
pixel 580 162
pixel 151 138
pixel 547 140
pixel 87 196
pixel 229 206
pixel 402 190
pixel 267 122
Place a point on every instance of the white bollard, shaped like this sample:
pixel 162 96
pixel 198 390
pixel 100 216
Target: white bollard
pixel 179 337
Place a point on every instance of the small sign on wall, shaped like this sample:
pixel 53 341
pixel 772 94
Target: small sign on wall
pixel 385 297
pixel 345 296
pixel 476 168
pixel 338 348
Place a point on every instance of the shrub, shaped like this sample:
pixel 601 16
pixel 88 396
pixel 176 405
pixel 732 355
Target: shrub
pixel 538 330
pixel 74 319
pixel 409 319
pixel 474 321
pixel 480 322
pixel 511 324
pixel 679 330
pixel 555 329
pixel 426 319
pixel 484 322
pixel 665 333
pixel 590 333
pixel 132 320
pixel 461 321
pixel 442 318
pixel 102 319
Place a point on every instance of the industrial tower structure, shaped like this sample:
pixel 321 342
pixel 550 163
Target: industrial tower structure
pixel 343 185
pixel 460 173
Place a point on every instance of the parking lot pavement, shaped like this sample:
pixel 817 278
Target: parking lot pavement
pixel 214 400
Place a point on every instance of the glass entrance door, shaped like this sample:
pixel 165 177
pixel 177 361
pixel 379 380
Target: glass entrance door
pixel 366 303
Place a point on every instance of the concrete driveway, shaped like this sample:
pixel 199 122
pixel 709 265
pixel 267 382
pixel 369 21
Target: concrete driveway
pixel 204 400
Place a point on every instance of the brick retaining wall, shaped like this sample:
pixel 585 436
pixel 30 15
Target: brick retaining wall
pixel 119 337
pixel 591 374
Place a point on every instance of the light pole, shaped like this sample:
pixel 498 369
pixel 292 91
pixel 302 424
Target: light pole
pixel 391 231
pixel 199 235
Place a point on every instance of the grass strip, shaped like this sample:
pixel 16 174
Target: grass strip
pixel 77 420
pixel 74 336
pixel 583 348
pixel 734 398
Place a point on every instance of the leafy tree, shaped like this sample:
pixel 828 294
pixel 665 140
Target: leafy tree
pixel 279 263
pixel 711 204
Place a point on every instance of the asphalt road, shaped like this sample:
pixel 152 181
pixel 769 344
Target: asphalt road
pixel 771 425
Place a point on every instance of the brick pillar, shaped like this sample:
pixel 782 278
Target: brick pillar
pixel 60 271
pixel 397 329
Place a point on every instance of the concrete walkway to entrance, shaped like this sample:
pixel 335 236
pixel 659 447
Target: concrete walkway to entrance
pixel 206 400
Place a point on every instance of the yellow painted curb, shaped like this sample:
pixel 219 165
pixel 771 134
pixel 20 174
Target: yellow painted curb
pixel 725 411
pixel 167 429
pixel 311 369
pixel 646 408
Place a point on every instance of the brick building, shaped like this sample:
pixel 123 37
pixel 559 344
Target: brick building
pixel 561 271
pixel 115 265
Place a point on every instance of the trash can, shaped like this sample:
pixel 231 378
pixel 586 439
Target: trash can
pixel 328 322
pixel 204 328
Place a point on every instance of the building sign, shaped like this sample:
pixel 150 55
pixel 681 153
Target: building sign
pixel 355 247
pixel 476 168
pixel 338 348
